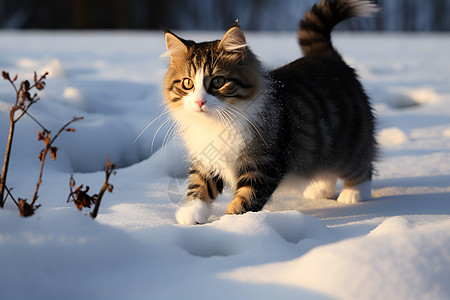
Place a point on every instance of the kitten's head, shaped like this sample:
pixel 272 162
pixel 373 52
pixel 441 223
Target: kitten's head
pixel 204 78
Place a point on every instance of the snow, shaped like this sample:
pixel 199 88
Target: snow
pixel 394 246
pixel 391 136
pixel 364 267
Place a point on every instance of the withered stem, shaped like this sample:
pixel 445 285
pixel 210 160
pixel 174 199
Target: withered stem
pixel 12 197
pixel 6 161
pixel 100 195
pixel 44 155
pixel 34 119
pixel 12 123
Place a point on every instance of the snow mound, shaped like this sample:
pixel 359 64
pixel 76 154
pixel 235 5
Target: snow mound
pixel 446 133
pixel 54 67
pixel 27 63
pixel 364 265
pixel 391 137
pixel 72 96
pixel 401 97
pixel 246 235
pixel 425 95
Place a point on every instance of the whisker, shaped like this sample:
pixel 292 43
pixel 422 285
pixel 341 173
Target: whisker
pixel 150 124
pixel 253 125
pixel 166 139
pixel 222 118
pixel 176 136
pixel 261 114
pixel 229 116
pixel 157 131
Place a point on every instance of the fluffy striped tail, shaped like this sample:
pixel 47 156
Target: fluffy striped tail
pixel 316 25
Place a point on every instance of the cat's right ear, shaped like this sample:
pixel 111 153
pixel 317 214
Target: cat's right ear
pixel 175 46
pixel 234 41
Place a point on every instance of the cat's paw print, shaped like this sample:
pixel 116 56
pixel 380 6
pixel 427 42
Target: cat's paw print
pixel 193 212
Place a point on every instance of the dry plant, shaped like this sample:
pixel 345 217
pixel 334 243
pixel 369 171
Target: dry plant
pixel 23 102
pixel 81 198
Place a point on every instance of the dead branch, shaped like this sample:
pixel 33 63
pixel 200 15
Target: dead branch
pixel 22 103
pixel 109 169
pixel 45 136
pixel 81 198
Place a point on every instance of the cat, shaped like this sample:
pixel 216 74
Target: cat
pixel 248 128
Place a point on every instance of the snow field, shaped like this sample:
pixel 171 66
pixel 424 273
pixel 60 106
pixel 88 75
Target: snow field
pixel 394 246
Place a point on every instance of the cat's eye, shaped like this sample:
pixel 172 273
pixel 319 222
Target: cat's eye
pixel 187 84
pixel 217 82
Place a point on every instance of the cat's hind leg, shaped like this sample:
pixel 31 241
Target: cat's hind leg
pixel 354 193
pixel 321 187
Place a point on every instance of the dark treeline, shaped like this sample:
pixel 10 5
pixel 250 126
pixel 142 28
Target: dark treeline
pixel 396 15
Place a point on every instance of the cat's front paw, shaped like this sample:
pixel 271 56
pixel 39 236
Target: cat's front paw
pixel 236 209
pixel 193 212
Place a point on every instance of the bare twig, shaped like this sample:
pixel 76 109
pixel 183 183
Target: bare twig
pixel 23 102
pixel 6 161
pixel 12 123
pixel 109 169
pixel 35 120
pixel 48 141
pixel 10 195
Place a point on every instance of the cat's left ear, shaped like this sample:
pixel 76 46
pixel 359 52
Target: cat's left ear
pixel 234 41
pixel 175 45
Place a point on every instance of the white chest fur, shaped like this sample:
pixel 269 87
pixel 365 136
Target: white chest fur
pixel 216 144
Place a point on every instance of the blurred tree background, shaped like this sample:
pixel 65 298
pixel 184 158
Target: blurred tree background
pixel 273 15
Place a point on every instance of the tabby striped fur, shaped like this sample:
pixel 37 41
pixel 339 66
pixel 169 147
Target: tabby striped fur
pixel 310 117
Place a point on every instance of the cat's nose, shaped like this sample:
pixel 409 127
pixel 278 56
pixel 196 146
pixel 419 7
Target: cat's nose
pixel 200 102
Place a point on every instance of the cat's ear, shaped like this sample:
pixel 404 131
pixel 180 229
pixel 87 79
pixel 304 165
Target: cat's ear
pixel 175 46
pixel 234 41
